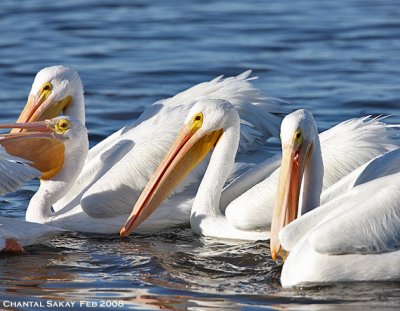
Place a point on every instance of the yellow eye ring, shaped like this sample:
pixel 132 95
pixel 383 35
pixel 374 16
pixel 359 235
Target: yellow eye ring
pixel 45 91
pixel 197 121
pixel 298 136
pixel 46 87
pixel 62 126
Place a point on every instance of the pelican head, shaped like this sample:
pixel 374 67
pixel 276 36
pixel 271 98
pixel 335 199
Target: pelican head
pixel 298 136
pixel 206 122
pixel 56 90
pixel 43 145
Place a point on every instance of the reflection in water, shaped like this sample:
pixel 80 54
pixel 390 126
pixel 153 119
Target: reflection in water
pixel 172 271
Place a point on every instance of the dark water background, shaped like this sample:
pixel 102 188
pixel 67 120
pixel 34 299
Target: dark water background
pixel 340 59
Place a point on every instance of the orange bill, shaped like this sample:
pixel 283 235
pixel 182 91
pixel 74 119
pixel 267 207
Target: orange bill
pixel 39 146
pixel 189 149
pixel 288 191
pixel 41 107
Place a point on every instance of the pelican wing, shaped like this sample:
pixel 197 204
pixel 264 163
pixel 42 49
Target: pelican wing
pixel 344 147
pixel 358 241
pixel 250 184
pixel 362 219
pixel 352 143
pixel 109 189
pixel 372 226
pixel 260 116
pixel 96 167
pixel 380 166
pixel 14 172
pixel 113 179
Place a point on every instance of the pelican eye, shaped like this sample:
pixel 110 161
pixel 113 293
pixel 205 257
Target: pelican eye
pixel 298 137
pixel 45 90
pixel 62 126
pixel 47 87
pixel 197 121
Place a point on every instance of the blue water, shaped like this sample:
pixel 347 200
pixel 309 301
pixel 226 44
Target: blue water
pixel 340 59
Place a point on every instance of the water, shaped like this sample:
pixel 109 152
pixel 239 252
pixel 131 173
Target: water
pixel 339 59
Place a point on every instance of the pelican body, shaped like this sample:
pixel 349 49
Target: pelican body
pixel 354 236
pixel 17 233
pixel 25 156
pixel 70 137
pixel 344 149
pixel 210 124
pixel 357 240
pixel 117 169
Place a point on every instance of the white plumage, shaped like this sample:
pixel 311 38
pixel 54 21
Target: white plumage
pixel 14 172
pixel 118 168
pixel 15 233
pixel 25 233
pixel 209 124
pixel 356 238
pixel 344 148
pixel 347 190
pixel 353 237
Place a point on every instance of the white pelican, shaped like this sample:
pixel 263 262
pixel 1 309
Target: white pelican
pixel 344 148
pixel 301 155
pixel 358 240
pixel 310 159
pixel 384 165
pixel 118 168
pixel 69 148
pixel 354 237
pixel 209 124
pixel 42 150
